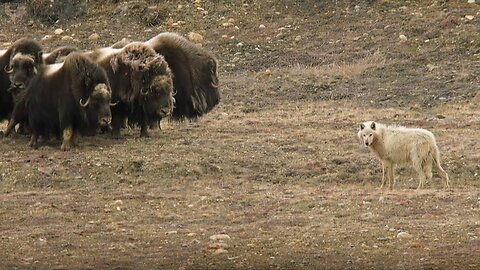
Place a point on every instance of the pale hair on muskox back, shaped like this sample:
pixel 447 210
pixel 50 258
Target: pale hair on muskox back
pixel 395 145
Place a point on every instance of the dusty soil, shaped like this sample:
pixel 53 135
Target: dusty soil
pixel 276 166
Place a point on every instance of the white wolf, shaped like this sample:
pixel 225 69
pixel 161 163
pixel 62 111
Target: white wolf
pixel 399 145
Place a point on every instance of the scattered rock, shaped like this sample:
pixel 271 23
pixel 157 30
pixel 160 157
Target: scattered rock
pixel 171 232
pixel 227 24
pixel 220 237
pixel 195 37
pixel 367 216
pixel 261 26
pixel 431 67
pixel 403 37
pixel 220 251
pixel 47 37
pixel 404 235
pixel 298 38
pixel 58 31
pixel 94 36
pixel 67 38
pixel 218 246
pixel 469 17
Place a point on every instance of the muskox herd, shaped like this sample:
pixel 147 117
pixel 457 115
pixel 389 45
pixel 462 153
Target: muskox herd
pixel 67 93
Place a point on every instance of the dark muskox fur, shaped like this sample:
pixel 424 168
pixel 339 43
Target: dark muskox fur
pixel 60 95
pixel 58 55
pixel 141 84
pixel 194 75
pixel 26 47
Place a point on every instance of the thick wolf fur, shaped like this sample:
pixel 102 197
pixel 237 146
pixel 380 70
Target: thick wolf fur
pixel 400 145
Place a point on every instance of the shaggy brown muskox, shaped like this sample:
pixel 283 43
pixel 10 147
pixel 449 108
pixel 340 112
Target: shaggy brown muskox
pixel 24 47
pixel 58 55
pixel 59 96
pixel 194 71
pixel 21 69
pixel 141 84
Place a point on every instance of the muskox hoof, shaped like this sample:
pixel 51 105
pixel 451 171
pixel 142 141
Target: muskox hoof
pixel 144 134
pixel 65 146
pixel 117 136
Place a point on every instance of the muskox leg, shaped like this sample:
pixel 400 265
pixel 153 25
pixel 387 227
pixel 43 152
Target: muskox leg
pixel 117 124
pixel 22 128
pixel 33 140
pixel 10 127
pixel 67 142
pixel 144 129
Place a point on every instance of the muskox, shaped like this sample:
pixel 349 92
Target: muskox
pixel 195 77
pixel 60 97
pixel 141 84
pixel 24 48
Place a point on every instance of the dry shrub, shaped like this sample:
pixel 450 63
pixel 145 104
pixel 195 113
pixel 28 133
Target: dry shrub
pixel 50 11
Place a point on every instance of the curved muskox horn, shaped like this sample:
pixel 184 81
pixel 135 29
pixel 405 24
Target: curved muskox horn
pixel 214 85
pixel 144 93
pixel 113 104
pixel 7 69
pixel 86 102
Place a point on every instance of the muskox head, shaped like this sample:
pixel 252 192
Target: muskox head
pixel 97 106
pixel 151 78
pixel 156 91
pixel 21 69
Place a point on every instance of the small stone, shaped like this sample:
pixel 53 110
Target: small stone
pixel 227 24
pixel 220 237
pixel 367 216
pixel 58 31
pixel 298 38
pixel 218 246
pixel 469 17
pixel 404 235
pixel 431 67
pixel 471 1
pixel 171 232
pixel 220 251
pixel 67 38
pixel 415 245
pixel 195 241
pixel 403 37
pixel 195 37
pixel 240 44
pixel 261 26
pixel 224 36
pixel 94 36
pixel 191 234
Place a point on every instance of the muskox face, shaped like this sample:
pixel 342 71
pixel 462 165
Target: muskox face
pixel 159 100
pixel 21 71
pixel 157 88
pixel 98 106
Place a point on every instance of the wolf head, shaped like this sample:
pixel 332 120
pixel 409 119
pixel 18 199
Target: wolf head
pixel 367 132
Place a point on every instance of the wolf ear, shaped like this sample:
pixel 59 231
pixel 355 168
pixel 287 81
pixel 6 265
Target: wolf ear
pixel 362 126
pixel 372 126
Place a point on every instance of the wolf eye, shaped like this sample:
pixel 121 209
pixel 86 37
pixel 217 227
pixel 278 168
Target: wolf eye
pixel 370 135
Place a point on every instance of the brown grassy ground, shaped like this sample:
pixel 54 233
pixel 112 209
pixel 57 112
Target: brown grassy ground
pixel 276 166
